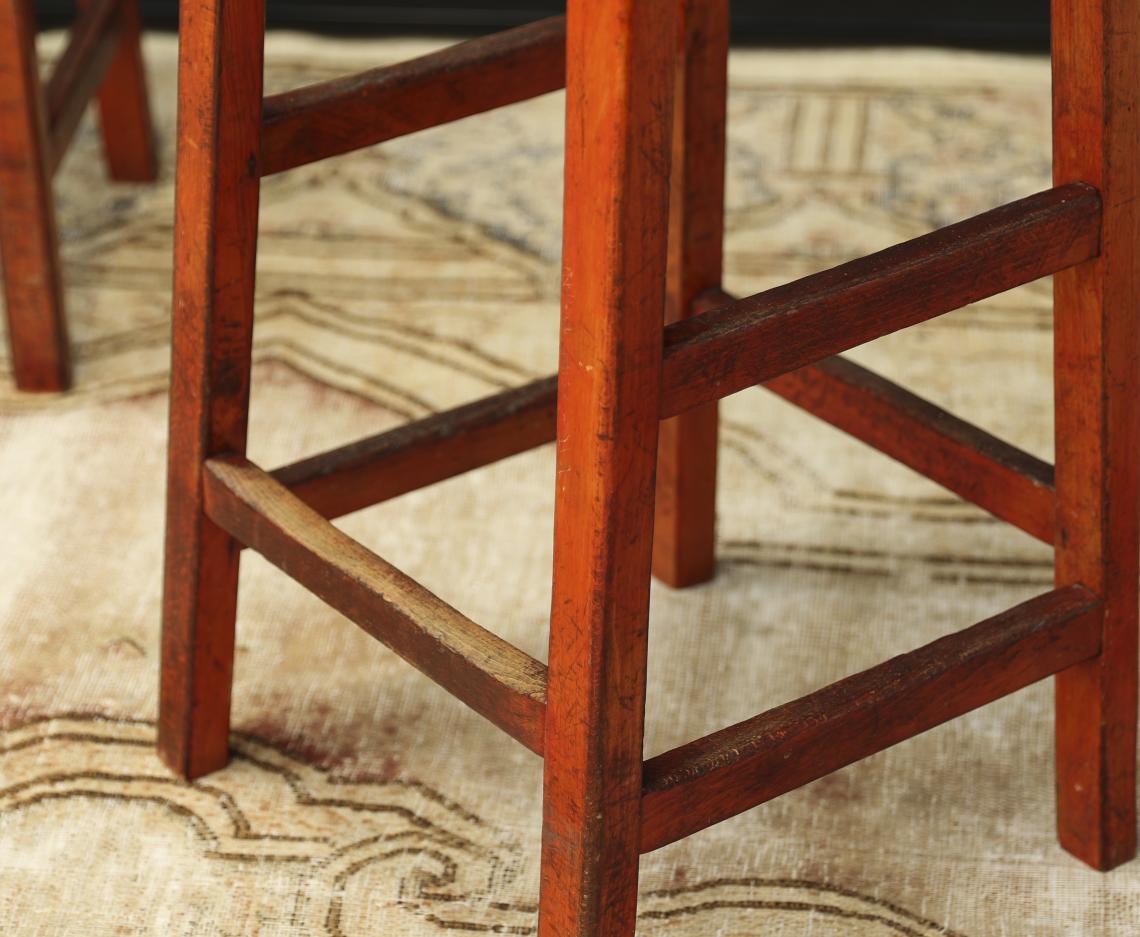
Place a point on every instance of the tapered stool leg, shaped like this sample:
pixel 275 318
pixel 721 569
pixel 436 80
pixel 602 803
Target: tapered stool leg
pixel 218 182
pixel 124 106
pixel 1096 80
pixel 684 539
pixel 620 57
pixel 29 244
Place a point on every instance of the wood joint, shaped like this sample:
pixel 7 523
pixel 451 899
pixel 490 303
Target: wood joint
pixel 735 769
pixel 490 675
pixel 346 114
pixel 753 340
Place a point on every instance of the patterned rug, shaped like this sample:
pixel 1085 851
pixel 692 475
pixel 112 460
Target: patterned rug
pixel 361 800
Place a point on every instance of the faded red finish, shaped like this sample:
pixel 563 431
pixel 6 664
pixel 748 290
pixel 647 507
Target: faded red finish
pixel 649 344
pixel 1096 123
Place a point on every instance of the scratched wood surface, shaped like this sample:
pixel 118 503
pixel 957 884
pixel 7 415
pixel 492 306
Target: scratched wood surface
pixel 345 114
pixel 493 677
pixel 216 205
pixel 619 101
pixel 713 778
pixel 759 337
pixel 779 467
pixel 1096 79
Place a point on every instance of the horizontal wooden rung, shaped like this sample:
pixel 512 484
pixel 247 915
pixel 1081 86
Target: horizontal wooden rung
pixel 346 114
pixel 1009 483
pixel 723 774
pixel 489 674
pixel 426 451
pixel 92 43
pixel 764 338
pixel 750 341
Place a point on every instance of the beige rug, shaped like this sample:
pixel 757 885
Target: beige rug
pixel 361 799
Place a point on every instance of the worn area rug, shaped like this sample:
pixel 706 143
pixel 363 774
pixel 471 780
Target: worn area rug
pixel 363 801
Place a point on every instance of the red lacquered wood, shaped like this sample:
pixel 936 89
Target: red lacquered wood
pixel 424 452
pixel 1009 483
pixel 124 104
pixel 493 677
pixel 345 114
pixel 723 774
pixel 753 340
pixel 91 46
pixel 684 538
pixel 216 201
pixel 29 243
pixel 1096 71
pixel 620 64
pixel 1001 478
pixel 1006 481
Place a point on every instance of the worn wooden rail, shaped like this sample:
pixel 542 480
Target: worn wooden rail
pixel 755 339
pixel 709 780
pixel 746 338
pixel 1000 478
pixel 426 451
pixel 336 117
pixel 79 72
pixel 643 238
pixel 490 675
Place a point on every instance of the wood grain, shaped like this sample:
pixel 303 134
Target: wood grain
pixel 755 339
pixel 346 114
pixel 620 76
pixel 974 464
pixel 1096 119
pixel 29 241
pixel 491 676
pixel 215 246
pixel 1009 483
pixel 425 451
pixel 723 774
pixel 684 529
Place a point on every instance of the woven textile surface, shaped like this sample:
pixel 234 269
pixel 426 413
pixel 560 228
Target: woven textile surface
pixel 361 800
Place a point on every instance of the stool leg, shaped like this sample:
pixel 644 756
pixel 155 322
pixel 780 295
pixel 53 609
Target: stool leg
pixel 124 108
pixel 1096 80
pixel 29 244
pixel 619 105
pixel 216 201
pixel 684 540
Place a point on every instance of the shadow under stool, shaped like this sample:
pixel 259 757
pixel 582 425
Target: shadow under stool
pixel 37 122
pixel 649 344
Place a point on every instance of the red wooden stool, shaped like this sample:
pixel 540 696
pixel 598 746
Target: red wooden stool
pixel 640 242
pixel 37 123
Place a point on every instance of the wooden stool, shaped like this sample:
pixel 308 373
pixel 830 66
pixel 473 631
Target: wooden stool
pixel 643 245
pixel 37 123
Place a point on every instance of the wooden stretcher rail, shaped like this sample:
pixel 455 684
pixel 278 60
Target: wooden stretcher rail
pixel 490 675
pixel 1009 483
pixel 346 114
pixel 728 772
pixel 753 340
pixel 92 43
pixel 427 451
pixel 774 332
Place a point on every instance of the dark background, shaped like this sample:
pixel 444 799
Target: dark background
pixel 1018 24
